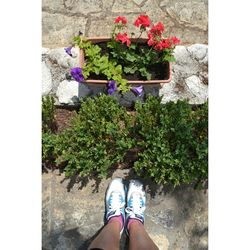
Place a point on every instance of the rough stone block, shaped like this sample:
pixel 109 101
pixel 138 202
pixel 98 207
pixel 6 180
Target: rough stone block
pixel 45 51
pixel 125 6
pixel 198 51
pixel 188 13
pixel 138 2
pixel 63 59
pixel 69 92
pixel 84 6
pixel 199 90
pixel 54 6
pixel 46 79
pixel 58 30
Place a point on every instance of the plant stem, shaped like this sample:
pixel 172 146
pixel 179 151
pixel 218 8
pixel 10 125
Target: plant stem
pixel 138 38
pixel 149 50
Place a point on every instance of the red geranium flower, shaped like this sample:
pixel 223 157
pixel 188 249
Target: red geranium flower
pixel 123 38
pixel 122 19
pixel 175 40
pixel 166 43
pixel 159 46
pixel 151 40
pixel 157 29
pixel 142 20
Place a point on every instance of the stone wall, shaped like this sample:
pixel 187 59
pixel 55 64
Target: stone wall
pixel 62 19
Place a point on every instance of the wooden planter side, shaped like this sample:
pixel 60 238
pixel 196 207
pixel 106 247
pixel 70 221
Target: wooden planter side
pixel 143 82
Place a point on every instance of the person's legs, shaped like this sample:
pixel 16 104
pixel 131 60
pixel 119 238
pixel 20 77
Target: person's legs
pixel 139 238
pixel 136 200
pixel 109 237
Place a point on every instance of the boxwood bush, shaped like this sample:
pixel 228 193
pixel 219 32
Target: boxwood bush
pixel 98 139
pixel 49 143
pixel 48 112
pixel 48 127
pixel 171 140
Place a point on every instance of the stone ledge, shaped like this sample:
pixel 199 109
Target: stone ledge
pixel 189 78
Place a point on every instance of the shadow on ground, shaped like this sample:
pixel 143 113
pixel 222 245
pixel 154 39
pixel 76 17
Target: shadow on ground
pixel 73 212
pixel 74 239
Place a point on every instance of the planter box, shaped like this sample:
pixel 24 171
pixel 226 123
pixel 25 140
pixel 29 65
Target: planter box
pixel 97 40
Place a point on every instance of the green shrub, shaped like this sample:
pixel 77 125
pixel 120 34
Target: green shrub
pixel 171 138
pixel 48 110
pixel 172 141
pixel 98 138
pixel 49 144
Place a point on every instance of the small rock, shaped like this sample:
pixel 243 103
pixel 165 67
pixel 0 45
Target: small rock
pixel 185 65
pixel 168 92
pixel 182 56
pixel 46 79
pixel 75 52
pixel 69 92
pixel 199 90
pixel 63 59
pixel 198 51
pixel 45 51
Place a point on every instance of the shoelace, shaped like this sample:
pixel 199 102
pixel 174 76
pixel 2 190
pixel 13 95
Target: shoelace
pixel 115 203
pixel 136 207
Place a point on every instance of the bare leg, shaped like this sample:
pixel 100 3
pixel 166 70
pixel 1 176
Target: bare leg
pixel 108 238
pixel 139 238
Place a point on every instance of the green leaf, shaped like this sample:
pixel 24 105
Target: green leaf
pixel 132 46
pixel 118 69
pixel 168 58
pixel 130 70
pixel 130 57
pixel 145 73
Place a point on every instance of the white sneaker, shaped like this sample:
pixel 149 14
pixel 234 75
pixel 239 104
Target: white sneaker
pixel 115 200
pixel 136 202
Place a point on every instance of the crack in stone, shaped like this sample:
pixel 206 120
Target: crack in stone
pixel 49 11
pixel 69 14
pixel 87 26
pixel 112 6
pixel 143 3
pixel 138 5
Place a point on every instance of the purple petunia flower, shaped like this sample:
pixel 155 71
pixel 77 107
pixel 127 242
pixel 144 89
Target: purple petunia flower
pixel 80 33
pixel 68 50
pixel 137 90
pixel 76 73
pixel 111 85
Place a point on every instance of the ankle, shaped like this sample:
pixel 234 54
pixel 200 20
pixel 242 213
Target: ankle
pixel 117 219
pixel 133 222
